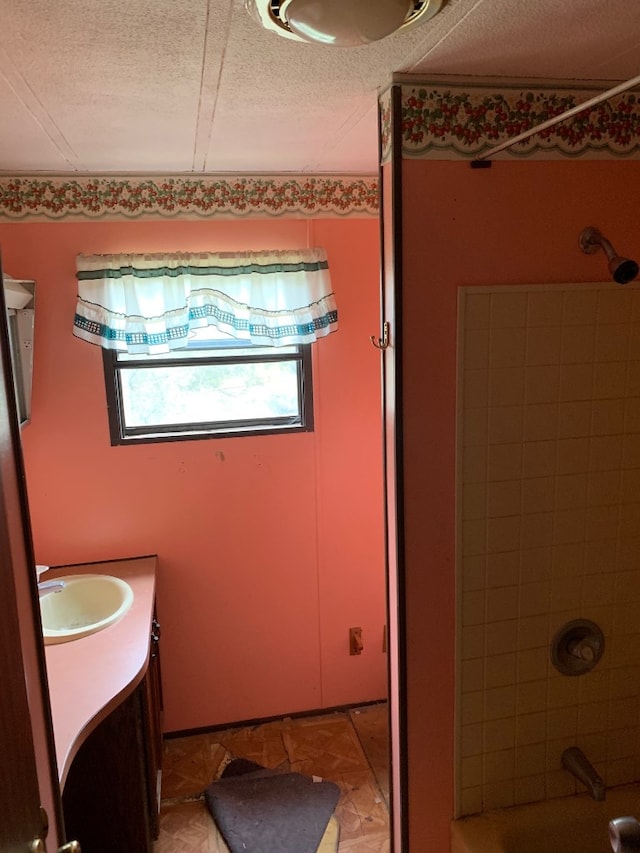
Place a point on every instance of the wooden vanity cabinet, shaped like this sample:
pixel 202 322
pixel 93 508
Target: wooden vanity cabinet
pixel 111 795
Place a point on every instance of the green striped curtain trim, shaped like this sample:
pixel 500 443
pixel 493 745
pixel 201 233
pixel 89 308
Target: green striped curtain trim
pixel 174 272
pixel 101 330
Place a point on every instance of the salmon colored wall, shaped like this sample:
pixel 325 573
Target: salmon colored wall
pixel 269 547
pixel 515 223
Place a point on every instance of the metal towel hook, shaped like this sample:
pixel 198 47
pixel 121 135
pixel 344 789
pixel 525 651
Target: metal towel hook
pixel 383 342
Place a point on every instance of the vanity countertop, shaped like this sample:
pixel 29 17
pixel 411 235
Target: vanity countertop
pixel 90 676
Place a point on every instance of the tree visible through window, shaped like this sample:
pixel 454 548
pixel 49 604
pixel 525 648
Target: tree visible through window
pixel 216 386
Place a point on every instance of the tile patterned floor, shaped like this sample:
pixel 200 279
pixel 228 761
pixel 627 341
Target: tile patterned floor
pixel 349 748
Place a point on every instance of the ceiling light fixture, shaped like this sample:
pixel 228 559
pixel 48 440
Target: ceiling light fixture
pixel 341 23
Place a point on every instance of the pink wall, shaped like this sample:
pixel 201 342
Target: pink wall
pixel 269 547
pixel 517 222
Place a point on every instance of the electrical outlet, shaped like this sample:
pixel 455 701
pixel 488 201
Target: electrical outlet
pixel 355 641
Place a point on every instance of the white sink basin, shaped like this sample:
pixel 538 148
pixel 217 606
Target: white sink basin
pixel 86 604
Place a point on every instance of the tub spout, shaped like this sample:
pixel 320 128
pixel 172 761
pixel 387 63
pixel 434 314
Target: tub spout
pixel 576 762
pixel 624 834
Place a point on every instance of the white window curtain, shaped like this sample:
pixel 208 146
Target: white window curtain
pixel 148 303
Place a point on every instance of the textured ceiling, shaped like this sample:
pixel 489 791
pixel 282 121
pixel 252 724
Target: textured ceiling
pixel 198 86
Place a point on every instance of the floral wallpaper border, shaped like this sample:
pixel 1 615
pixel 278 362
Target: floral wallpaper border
pixel 442 121
pixel 60 197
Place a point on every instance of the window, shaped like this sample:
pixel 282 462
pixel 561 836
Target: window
pixel 213 387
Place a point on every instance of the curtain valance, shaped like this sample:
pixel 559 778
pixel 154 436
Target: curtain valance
pixel 148 303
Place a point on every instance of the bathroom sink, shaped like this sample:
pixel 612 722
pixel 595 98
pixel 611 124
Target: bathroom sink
pixel 86 604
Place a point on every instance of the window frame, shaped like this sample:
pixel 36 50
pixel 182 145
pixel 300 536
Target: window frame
pixel 120 434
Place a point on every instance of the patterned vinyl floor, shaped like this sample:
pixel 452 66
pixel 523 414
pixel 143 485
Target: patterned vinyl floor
pixel 349 748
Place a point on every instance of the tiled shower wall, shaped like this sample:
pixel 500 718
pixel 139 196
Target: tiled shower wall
pixel 549 531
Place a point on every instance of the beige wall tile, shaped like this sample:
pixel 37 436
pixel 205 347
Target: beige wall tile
pixel 471 741
pixel 472 672
pixel 537 530
pixel 473 607
pixel 531 759
pixel 568 560
pixel 545 308
pixel 473 572
pixel 614 306
pixel 499 734
pixel 473 645
pixel 476 348
pixel 602 522
pixel 506 348
pixel 604 487
pixel 475 391
pixel 612 342
pixel 533 631
pixel 531 697
pixel 634 341
pixel 503 498
pixel 470 801
pixel 573 455
pixel 474 464
pixel 529 789
pixel 503 534
pixel 501 637
pixel 539 458
pixel 562 722
pixel 505 462
pixel 477 310
pixel 474 501
pixel 569 526
pixel 534 598
pixel 475 427
pixel 610 380
pixel 578 344
pixel 506 386
pixel 543 345
pixel 551 532
pixel 502 569
pixel 571 491
pixel 605 453
pixel 579 307
pixel 599 557
pixel 501 603
pixel 505 424
pixel 500 670
pixel 541 384
pixel 533 664
pixel 574 419
pixel 630 486
pixel 531 728
pixel 498 766
pixel 632 379
pixel 538 494
pixel 498 795
pixel 535 564
pixel 472 707
pixel 566 592
pixel 508 309
pixel 592 717
pixel 632 415
pixel 540 422
pixel 607 417
pixel 499 702
pixel 471 771
pixel 576 382
pixel 598 590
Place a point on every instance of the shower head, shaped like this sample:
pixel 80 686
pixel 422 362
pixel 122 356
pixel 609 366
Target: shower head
pixel 623 270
